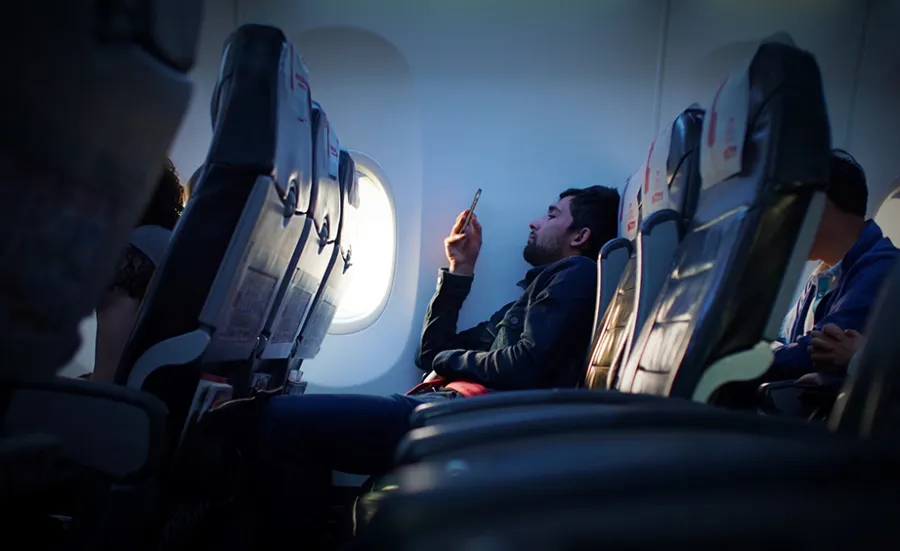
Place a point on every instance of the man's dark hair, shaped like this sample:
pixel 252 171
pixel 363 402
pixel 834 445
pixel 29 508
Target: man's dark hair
pixel 595 208
pixel 168 200
pixel 847 185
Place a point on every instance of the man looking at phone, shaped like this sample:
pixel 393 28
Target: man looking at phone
pixel 496 353
pixel 539 340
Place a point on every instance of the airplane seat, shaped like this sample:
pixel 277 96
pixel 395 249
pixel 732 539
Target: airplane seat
pixel 683 162
pixel 328 169
pixel 614 255
pixel 613 258
pixel 671 190
pixel 570 490
pixel 295 329
pixel 80 458
pixel 764 165
pixel 572 477
pixel 671 161
pixel 613 319
pixel 348 228
pixel 115 434
pixel 204 312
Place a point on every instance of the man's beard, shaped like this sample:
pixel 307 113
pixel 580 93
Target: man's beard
pixel 536 255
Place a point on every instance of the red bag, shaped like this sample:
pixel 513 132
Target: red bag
pixel 464 388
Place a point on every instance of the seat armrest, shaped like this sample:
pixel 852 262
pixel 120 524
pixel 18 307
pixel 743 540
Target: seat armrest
pixel 809 396
pixel 115 431
pixel 29 465
pixel 450 410
pixel 777 396
pixel 585 418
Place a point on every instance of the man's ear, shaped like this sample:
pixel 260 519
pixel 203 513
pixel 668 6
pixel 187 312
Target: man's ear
pixel 580 238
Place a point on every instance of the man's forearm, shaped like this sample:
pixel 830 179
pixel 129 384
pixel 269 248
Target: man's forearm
pixel 439 326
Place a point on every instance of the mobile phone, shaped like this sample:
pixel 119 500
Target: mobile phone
pixel 471 211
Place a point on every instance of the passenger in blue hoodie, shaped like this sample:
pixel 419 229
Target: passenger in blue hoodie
pixel 860 257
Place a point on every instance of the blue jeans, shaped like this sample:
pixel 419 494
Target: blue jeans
pixel 302 439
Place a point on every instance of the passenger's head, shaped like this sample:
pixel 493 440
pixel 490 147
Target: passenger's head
pixel 167 202
pixel 578 224
pixel 845 209
pixel 119 307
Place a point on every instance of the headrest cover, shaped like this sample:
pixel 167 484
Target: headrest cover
pixel 152 241
pixel 350 178
pixel 628 208
pixel 328 156
pixel 296 79
pixel 656 174
pixel 724 128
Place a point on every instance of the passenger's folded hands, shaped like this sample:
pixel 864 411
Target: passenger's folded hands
pixel 832 348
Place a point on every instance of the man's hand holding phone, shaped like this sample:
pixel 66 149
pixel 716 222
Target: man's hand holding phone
pixel 464 242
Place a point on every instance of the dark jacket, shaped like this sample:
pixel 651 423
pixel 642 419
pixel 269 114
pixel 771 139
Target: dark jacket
pixel 862 271
pixel 537 341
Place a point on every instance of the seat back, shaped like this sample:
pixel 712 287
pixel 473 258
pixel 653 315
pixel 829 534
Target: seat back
pixel 309 266
pixel 327 171
pixel 764 164
pixel 80 159
pixel 608 331
pixel 614 256
pixel 350 201
pixel 671 188
pixel 88 117
pixel 342 259
pixel 209 299
pixel 313 258
pixel 325 303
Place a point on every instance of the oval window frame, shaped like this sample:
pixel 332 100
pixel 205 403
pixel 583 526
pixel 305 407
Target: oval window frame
pixel 371 169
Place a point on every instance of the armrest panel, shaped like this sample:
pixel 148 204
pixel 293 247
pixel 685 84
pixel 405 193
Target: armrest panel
pixel 585 419
pixel 804 397
pixel 113 430
pixel 437 412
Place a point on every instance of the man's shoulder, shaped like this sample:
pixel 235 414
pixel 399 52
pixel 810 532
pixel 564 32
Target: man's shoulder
pixel 577 263
pixel 576 270
pixel 879 258
pixel 885 248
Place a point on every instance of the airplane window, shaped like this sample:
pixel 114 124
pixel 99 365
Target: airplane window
pixel 888 215
pixel 372 263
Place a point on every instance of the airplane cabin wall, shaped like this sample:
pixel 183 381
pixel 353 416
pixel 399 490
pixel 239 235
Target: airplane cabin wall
pixel 523 99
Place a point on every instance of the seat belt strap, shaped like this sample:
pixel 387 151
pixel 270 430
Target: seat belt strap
pixel 464 388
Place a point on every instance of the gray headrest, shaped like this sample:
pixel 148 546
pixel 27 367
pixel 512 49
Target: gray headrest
pixel 152 241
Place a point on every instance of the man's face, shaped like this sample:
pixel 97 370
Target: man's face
pixel 551 235
pixel 822 239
